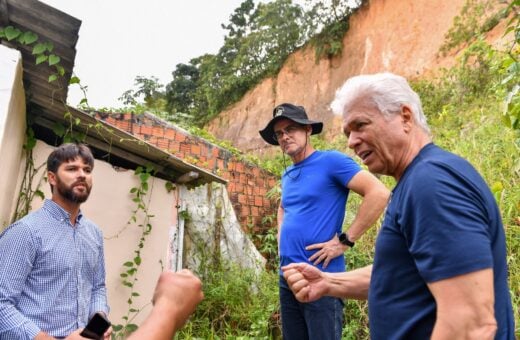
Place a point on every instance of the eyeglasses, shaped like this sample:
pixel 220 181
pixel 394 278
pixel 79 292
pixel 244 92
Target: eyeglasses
pixel 289 130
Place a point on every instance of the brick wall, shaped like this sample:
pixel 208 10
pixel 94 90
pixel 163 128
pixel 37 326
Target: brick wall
pixel 247 184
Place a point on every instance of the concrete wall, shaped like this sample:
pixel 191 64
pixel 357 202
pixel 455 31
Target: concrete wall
pixel 12 128
pixel 110 206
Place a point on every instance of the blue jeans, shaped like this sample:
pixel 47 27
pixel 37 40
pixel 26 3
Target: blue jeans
pixel 318 320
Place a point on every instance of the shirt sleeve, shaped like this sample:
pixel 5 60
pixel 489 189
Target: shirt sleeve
pixel 447 228
pixel 342 167
pixel 99 291
pixel 17 255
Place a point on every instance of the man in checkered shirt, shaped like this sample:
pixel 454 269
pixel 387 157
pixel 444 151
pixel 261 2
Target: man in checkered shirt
pixel 52 266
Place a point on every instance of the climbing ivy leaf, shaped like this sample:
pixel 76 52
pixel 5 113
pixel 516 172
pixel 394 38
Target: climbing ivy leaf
pixel 12 33
pixel 39 48
pixel 53 59
pixel 28 38
pixel 41 58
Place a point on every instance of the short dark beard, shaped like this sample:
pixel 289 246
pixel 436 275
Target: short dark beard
pixel 68 193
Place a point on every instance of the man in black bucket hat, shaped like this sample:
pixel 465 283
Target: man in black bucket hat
pixel 288 111
pixel 315 189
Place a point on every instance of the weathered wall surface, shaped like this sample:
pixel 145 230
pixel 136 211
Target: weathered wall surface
pixel 402 36
pixel 212 231
pixel 12 128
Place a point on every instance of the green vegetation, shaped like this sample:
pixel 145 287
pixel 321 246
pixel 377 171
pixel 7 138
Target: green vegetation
pixel 464 106
pixel 476 17
pixel 259 38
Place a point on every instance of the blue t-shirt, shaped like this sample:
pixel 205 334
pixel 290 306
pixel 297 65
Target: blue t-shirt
pixel 442 221
pixel 314 194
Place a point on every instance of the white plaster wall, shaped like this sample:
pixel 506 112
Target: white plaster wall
pixel 212 219
pixel 12 128
pixel 110 206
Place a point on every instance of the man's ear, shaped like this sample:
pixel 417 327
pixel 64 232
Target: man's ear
pixel 407 118
pixel 51 177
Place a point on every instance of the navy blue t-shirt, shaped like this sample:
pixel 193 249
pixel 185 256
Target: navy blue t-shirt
pixel 314 194
pixel 442 221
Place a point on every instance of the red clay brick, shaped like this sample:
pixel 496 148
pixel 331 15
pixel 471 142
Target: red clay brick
pixel 158 131
pixel 163 143
pixel 244 211
pixel 259 201
pixel 195 149
pixel 185 148
pixel 180 137
pixel 169 133
pixel 242 199
pixel 146 130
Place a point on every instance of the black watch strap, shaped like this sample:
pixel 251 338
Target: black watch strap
pixel 343 239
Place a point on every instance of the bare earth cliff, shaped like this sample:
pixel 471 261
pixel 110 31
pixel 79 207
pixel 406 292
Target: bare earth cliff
pixel 400 36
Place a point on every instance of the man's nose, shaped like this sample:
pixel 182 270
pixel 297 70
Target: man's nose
pixel 353 140
pixel 82 173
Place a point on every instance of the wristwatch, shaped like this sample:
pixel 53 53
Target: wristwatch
pixel 343 239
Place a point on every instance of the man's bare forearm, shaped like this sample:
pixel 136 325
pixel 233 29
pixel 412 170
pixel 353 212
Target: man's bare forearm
pixel 350 285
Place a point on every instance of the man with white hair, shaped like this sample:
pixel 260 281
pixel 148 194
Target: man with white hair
pixel 440 266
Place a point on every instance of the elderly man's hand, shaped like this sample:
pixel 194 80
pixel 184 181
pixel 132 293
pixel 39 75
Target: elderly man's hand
pixel 307 283
pixel 327 251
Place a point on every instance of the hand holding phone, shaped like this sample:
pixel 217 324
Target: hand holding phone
pixel 96 327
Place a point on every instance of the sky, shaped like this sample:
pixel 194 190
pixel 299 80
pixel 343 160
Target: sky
pixel 122 39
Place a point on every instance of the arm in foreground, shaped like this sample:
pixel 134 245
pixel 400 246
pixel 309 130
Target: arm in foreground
pixel 375 197
pixel 175 298
pixel 309 284
pixel 465 306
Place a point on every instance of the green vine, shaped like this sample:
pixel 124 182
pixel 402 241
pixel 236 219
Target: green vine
pixel 27 192
pixel 131 267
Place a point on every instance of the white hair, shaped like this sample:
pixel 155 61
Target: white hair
pixel 386 92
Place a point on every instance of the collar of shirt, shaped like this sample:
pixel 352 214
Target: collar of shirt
pixel 57 212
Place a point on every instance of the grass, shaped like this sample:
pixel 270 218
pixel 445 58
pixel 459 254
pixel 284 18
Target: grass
pixel 464 109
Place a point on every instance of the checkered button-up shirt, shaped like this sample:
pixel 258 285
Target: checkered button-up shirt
pixel 52 274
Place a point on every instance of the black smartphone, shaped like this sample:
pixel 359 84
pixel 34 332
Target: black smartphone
pixel 96 327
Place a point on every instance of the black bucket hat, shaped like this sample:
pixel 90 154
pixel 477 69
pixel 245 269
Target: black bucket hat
pixel 292 112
